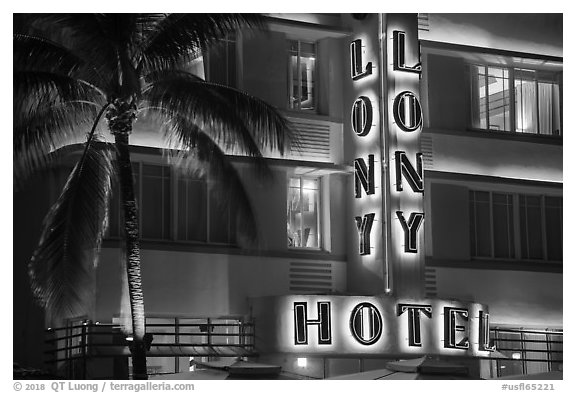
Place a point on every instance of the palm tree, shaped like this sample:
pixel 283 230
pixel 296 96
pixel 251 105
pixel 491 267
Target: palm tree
pixel 73 71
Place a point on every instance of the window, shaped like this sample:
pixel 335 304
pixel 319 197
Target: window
pixel 173 206
pixel 154 198
pixel 152 189
pixel 491 225
pixel 537 103
pixel 528 351
pixel 303 219
pixel 221 62
pixel 541 227
pixel 513 226
pixel 301 75
pixel 202 216
pixel 490 98
pixel 497 93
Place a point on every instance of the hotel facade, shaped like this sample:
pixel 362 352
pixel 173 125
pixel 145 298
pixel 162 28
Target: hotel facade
pixel 419 214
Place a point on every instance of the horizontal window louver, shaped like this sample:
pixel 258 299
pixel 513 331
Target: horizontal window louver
pixel 423 22
pixel 310 277
pixel 314 140
pixel 430 282
pixel 427 149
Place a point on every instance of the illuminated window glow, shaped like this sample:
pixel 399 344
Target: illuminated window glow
pixel 302 213
pixel 301 70
pixel 535 95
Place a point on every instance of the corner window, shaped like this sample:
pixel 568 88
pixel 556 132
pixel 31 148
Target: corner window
pixel 523 101
pixel 302 213
pixel 301 75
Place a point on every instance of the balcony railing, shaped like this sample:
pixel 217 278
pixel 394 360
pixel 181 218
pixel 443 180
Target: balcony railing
pixel 80 350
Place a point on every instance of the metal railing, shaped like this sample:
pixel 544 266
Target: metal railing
pixel 528 349
pixel 70 349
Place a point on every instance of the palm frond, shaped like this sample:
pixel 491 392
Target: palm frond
pixel 37 90
pixel 179 37
pixel 33 53
pixel 48 109
pixel 36 137
pixel 269 128
pixel 205 159
pixel 96 38
pixel 220 112
pixel 61 267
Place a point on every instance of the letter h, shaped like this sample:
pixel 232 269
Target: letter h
pixel 301 323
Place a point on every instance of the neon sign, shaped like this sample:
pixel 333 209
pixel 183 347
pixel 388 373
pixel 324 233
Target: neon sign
pixel 361 120
pixel 362 116
pixel 410 230
pixel 356 61
pixel 364 226
pixel 301 323
pixel 378 325
pixel 399 39
pixel 407 114
pixel 414 312
pixel 366 323
pixel 407 111
pixel 364 176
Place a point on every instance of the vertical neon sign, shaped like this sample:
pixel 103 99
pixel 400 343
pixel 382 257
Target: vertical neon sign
pixel 364 125
pixel 404 119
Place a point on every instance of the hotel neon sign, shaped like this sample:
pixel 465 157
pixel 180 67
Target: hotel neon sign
pixel 372 325
pixel 369 317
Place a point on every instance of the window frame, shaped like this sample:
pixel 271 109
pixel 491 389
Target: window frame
pixel 173 210
pixel 539 76
pixel 232 66
pixel 516 225
pixel 319 220
pixel 298 107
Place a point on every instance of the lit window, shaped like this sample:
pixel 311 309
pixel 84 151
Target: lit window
pixel 301 70
pixel 303 220
pixel 535 97
pixel 490 98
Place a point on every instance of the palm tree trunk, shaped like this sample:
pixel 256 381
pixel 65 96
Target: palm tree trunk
pixel 131 227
